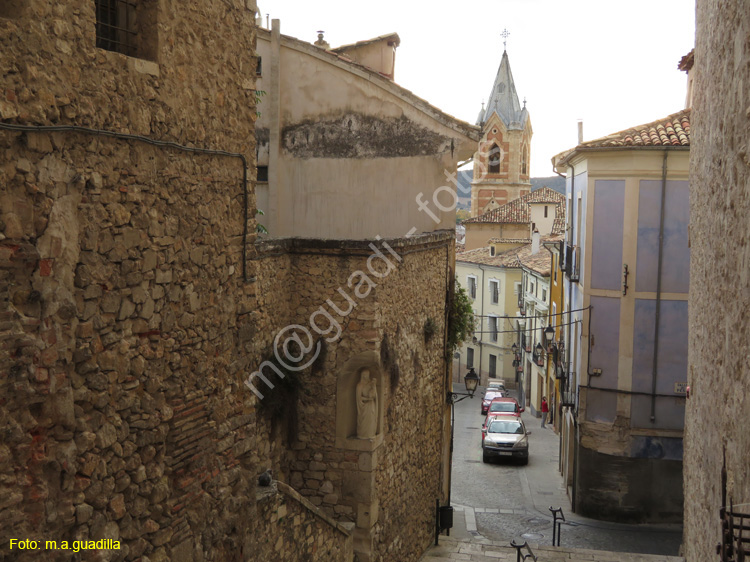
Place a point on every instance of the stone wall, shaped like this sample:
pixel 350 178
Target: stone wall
pixel 719 301
pixel 122 298
pixel 388 486
pixel 291 528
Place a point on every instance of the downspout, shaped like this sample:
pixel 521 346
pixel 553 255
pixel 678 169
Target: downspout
pixel 658 285
pixel 568 347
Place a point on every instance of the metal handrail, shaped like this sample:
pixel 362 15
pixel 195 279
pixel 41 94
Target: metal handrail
pixel 522 557
pixel 556 525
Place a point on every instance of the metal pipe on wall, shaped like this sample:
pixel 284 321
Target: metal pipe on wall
pixel 655 365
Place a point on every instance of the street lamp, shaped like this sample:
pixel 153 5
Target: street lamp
pixel 549 333
pixel 471 380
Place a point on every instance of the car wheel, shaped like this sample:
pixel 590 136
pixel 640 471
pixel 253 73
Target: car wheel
pixel 485 458
pixel 525 461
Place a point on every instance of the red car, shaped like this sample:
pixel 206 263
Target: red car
pixel 501 407
pixel 489 396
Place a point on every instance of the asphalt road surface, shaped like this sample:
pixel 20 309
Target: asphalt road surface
pixel 511 501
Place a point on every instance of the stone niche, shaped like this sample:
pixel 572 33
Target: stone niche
pixel 346 402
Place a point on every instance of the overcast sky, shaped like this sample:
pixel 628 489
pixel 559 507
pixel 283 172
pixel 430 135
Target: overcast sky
pixel 611 63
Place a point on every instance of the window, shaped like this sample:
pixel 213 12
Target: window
pixel 544 295
pixel 493 328
pixel 472 284
pixel 553 319
pixel 127 27
pixel 492 250
pixel 495 291
pixel 525 164
pixel 545 211
pixel 554 267
pixel 493 366
pixel 469 357
pixel 259 71
pixel 494 167
pixel 517 288
pixel 262 173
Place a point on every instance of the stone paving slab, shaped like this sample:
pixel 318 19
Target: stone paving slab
pixel 451 549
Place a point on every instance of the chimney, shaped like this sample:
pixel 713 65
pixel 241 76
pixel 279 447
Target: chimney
pixel 535 242
pixel 580 131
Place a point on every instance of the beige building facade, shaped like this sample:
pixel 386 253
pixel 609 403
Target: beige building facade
pixel 328 129
pixel 492 281
pixel 512 224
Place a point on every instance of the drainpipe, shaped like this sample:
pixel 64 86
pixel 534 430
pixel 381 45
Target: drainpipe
pixel 658 285
pixel 275 194
pixel 569 346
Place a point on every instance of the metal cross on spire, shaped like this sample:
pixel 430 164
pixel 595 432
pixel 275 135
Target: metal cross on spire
pixel 505 34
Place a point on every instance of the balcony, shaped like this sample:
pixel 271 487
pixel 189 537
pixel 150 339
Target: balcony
pixel 568 396
pixel 572 265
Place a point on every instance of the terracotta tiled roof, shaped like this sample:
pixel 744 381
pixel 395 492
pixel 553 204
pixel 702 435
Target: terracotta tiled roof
pixel 673 130
pixel 390 37
pixel 509 241
pixel 481 256
pixel 460 247
pixel 518 210
pixel 541 262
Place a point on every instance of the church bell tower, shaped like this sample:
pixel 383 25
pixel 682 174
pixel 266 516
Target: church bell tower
pixel 502 162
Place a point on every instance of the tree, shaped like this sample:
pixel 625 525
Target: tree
pixel 460 320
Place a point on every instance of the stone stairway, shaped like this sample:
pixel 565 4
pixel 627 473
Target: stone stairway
pixel 483 550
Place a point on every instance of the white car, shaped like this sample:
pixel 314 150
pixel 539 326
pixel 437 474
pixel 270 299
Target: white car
pixel 506 437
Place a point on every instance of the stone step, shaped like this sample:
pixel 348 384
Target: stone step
pixel 451 549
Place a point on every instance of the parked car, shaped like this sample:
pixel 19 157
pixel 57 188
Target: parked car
pixel 506 437
pixel 489 396
pixel 498 384
pixel 501 406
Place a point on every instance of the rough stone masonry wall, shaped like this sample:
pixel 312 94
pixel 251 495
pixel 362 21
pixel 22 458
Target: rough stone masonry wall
pixel 403 475
pixel 120 323
pixel 409 477
pixel 719 376
pixel 294 529
pixel 124 316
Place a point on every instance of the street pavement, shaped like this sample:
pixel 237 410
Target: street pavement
pixel 503 501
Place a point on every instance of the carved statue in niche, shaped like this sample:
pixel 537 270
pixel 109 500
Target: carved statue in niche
pixel 367 406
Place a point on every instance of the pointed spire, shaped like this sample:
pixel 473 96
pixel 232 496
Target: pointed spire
pixel 504 99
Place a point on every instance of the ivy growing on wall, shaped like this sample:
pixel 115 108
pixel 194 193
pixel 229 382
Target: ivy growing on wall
pixel 460 320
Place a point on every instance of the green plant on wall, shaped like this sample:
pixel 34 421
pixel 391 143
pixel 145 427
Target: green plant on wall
pixel 460 320
pixel 430 328
pixel 258 96
pixel 259 228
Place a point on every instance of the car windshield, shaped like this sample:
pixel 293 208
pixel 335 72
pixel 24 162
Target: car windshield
pixel 491 395
pixel 505 426
pixel 503 407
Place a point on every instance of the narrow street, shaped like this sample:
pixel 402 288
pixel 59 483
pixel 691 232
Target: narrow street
pixel 503 500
